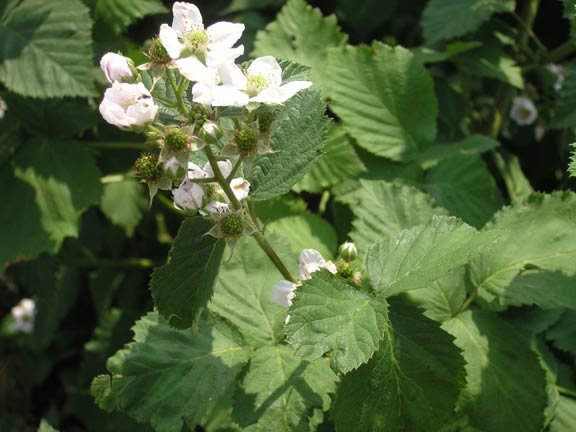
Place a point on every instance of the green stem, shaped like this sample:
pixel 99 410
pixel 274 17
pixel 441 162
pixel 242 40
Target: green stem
pixel 167 203
pixel 561 52
pixel 468 302
pixel 566 391
pixel 179 100
pixel 234 170
pixel 529 32
pixel 103 262
pixel 267 248
pixel 224 184
pixel 252 211
pixel 115 145
pixel 113 178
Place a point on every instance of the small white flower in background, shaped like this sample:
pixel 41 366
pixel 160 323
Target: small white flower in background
pixel 240 188
pixel 23 315
pixel 523 111
pixel 557 70
pixel 3 108
pixel 196 50
pixel 310 261
pixel 188 196
pixel 127 105
pixel 283 293
pixel 115 67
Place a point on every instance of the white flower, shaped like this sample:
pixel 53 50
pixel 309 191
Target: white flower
pixel 127 105
pixel 198 50
pixel 216 208
pixel 311 261
pixel 225 167
pixel 240 188
pixel 283 293
pixel 557 70
pixel 195 172
pixel 523 111
pixel 172 165
pixel 115 67
pixel 264 79
pixel 188 196
pixel 23 315
pixel 223 89
pixel 3 108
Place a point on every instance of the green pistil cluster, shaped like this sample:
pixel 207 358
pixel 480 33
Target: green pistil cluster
pixel 176 139
pixel 345 269
pixel 158 53
pixel 247 140
pixel 232 225
pixel 197 40
pixel 198 115
pixel 265 120
pixel 256 83
pixel 147 168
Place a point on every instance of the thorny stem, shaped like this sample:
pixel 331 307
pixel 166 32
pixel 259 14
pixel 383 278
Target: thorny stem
pixel 566 391
pixel 258 235
pixel 178 92
pixel 234 170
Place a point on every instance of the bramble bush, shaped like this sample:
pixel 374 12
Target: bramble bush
pixel 268 215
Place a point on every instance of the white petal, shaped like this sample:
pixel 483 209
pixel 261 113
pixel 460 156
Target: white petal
pixel 220 96
pixel 310 261
pixel 188 196
pixel 267 67
pixel 283 293
pixel 227 55
pixel 278 95
pixel 232 75
pixel 194 69
pixel 195 172
pixel 201 92
pixel 225 168
pixel 224 34
pixel 187 17
pixel 217 208
pixel 115 67
pixel 240 187
pixel 169 40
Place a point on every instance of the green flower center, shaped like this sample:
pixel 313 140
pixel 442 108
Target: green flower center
pixel 157 52
pixel 176 139
pixel 197 41
pixel 147 168
pixel 256 83
pixel 247 140
pixel 232 225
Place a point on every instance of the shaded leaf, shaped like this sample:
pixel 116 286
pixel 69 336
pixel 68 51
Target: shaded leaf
pixel 124 204
pixel 121 13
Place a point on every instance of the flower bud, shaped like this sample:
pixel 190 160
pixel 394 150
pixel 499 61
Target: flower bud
pixel 247 140
pixel 3 108
pixel 523 111
pixel 23 315
pixel 176 139
pixel 147 168
pixel 116 67
pixel 157 53
pixel 188 196
pixel 348 251
pixel 211 132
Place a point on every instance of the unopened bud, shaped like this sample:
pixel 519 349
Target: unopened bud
pixel 147 168
pixel 211 132
pixel 348 251
pixel 116 67
pixel 265 120
pixel 247 140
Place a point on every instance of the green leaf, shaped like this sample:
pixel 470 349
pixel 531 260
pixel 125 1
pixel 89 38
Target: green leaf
pixel 297 135
pixel 301 34
pixel 46 48
pixel 447 19
pixel 243 292
pixel 183 287
pixel 66 181
pixel 539 233
pixel 517 184
pixel 383 209
pixel 414 258
pixel 569 9
pixel 463 185
pixel 411 384
pixel 283 393
pixel 565 416
pixel 442 299
pixel 563 333
pixel 339 163
pixel 306 231
pixel 572 167
pixel 505 385
pixel 471 145
pixel 167 376
pixel 124 204
pixel 546 289
pixel 121 13
pixel 45 427
pixel 329 315
pixel 565 114
pixel 384 98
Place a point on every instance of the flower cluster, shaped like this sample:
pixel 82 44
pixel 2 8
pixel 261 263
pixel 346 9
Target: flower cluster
pixel 23 315
pixel 178 100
